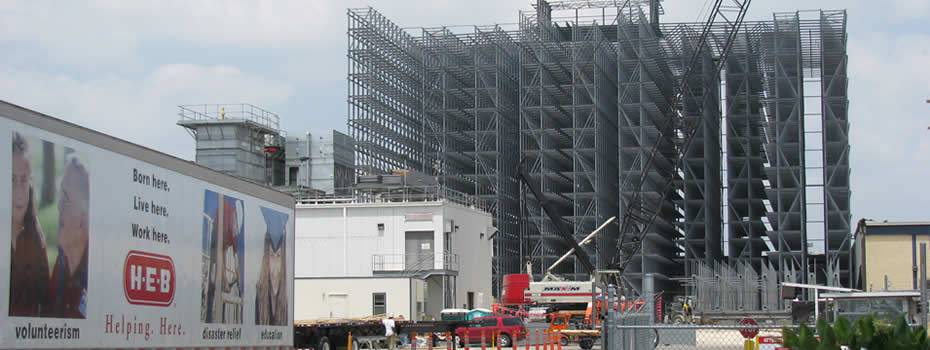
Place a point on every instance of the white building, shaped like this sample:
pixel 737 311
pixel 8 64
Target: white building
pixel 398 253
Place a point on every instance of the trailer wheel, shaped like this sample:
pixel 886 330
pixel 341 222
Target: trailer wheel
pixel 324 344
pixel 355 344
pixel 563 340
pixel 586 343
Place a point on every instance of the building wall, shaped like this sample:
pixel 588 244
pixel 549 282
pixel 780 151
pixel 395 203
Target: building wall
pixel 888 256
pixel 895 256
pixel 343 246
pixel 474 254
pixel 349 297
pixel 336 241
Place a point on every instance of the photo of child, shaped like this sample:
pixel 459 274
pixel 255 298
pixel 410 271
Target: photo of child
pixel 223 258
pixel 271 300
pixel 50 230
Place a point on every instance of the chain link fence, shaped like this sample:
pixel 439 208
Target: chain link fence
pixel 637 329
pixel 687 337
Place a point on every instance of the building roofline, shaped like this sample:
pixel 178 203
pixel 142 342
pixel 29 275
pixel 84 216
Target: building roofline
pixel 869 295
pixel 897 223
pixel 352 204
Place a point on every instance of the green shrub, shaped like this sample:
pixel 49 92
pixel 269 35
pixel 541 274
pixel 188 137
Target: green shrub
pixel 866 333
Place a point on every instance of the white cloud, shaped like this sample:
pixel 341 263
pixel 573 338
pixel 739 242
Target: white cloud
pixel 110 31
pixel 93 63
pixel 142 111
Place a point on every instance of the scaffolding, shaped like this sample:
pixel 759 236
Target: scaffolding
pixel 471 116
pixel 646 112
pixel 583 92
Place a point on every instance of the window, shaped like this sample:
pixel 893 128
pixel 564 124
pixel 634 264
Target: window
pixel 378 303
pixel 471 300
pixel 512 321
pixel 489 322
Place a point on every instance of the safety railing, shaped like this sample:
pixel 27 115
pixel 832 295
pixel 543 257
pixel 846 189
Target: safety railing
pixel 231 111
pixel 393 195
pixel 414 264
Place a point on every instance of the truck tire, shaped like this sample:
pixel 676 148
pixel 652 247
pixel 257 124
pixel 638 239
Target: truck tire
pixel 586 343
pixel 563 340
pixel 324 344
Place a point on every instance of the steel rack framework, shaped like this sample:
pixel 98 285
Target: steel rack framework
pixel 745 157
pixel 584 91
pixel 385 94
pixel 568 116
pixel 471 113
pixel 646 90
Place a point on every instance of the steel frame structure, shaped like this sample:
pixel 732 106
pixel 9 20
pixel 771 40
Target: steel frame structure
pixel 584 91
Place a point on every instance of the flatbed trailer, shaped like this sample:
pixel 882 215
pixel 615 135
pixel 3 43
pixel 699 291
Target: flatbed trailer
pixel 329 334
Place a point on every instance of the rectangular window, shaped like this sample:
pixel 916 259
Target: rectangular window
pixel 488 322
pixel 378 303
pixel 471 300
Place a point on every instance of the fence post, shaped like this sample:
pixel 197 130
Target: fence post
pixel 429 341
pixel 465 339
pixel 923 284
pixel 526 341
pixel 349 343
pixel 450 341
pixel 558 340
pixel 497 340
pixel 483 345
pixel 609 317
pixel 537 339
pixel 413 340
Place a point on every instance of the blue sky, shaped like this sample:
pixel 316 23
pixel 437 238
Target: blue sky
pixel 123 67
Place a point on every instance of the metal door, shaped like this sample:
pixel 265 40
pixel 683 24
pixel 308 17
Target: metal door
pixel 418 250
pixel 338 305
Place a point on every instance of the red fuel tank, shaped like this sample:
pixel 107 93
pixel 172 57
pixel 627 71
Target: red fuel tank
pixel 514 287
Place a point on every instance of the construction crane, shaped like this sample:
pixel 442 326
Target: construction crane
pixel 638 219
pixel 561 228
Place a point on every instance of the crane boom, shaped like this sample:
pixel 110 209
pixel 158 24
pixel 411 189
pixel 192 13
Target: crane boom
pixel 638 220
pixel 584 241
pixel 562 229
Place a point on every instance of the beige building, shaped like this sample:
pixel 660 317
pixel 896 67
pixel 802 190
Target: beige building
pixel 887 254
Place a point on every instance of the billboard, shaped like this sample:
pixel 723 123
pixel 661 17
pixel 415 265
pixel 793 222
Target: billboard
pixel 104 250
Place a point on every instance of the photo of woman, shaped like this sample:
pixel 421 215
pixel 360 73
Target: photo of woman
pixel 50 230
pixel 271 300
pixel 29 264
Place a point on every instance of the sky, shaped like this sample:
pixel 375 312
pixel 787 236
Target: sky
pixel 123 68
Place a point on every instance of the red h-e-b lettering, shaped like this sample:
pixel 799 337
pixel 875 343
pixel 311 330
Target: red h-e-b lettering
pixel 148 279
